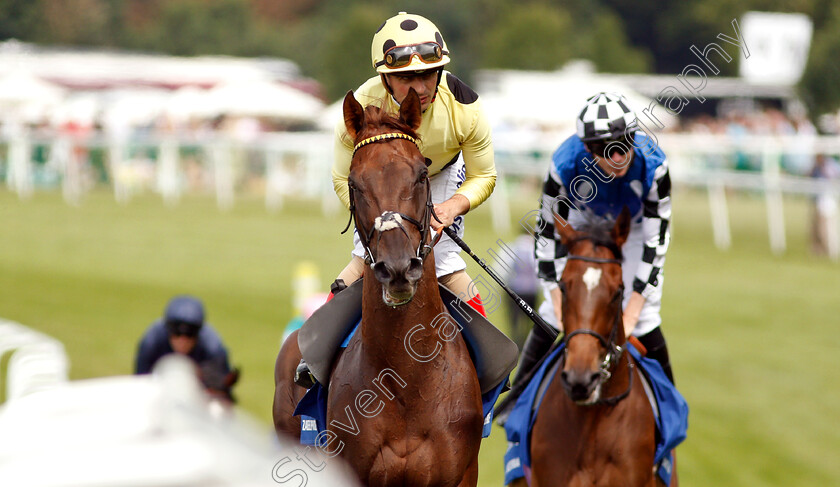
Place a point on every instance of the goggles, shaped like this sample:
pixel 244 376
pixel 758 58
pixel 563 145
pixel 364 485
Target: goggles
pixel 400 56
pixel 181 328
pixel 607 147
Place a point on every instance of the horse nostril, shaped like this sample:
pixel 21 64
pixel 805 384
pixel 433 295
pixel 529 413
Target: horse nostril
pixel 564 375
pixel 593 378
pixel 415 269
pixel 382 272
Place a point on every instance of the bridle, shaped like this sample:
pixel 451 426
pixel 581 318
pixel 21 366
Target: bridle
pixel 391 219
pixel 614 351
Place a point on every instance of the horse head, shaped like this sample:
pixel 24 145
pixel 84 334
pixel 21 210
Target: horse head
pixel 218 382
pixel 390 196
pixel 592 290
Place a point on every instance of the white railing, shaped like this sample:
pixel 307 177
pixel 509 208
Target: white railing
pixel 286 165
pixel 776 165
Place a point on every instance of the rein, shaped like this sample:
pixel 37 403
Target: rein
pixel 391 219
pixel 614 352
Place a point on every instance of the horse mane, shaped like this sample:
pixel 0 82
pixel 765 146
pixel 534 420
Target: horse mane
pixel 597 232
pixel 378 117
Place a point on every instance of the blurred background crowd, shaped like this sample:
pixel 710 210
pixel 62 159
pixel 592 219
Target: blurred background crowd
pixel 241 96
pixel 140 94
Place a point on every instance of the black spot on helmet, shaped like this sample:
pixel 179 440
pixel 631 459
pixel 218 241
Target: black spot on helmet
pixel 388 45
pixel 406 30
pixel 408 24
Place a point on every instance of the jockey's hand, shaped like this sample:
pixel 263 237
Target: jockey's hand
pixel 450 209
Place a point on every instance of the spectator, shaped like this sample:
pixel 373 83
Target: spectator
pixel 824 220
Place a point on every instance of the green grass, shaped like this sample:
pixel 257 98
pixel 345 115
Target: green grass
pixel 751 334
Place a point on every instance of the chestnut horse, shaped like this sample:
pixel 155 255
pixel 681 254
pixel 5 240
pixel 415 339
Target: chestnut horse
pixel 286 393
pixel 595 426
pixel 396 419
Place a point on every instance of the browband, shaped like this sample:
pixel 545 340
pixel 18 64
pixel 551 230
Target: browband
pixel 377 138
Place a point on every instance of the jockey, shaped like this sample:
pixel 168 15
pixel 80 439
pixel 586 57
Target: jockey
pixel 607 165
pixel 407 52
pixel 182 330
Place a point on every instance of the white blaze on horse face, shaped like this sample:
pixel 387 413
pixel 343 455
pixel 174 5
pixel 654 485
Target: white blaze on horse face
pixel 388 221
pixel 591 278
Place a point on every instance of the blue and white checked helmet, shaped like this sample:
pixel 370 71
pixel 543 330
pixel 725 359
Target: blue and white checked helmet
pixel 605 116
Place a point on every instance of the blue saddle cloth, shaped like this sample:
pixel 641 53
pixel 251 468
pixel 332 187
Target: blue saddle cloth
pixel 671 420
pixel 312 408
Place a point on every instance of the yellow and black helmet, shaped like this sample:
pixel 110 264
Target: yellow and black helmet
pixel 408 42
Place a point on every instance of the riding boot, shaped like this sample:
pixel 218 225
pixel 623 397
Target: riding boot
pixel 536 346
pixel 303 376
pixel 657 349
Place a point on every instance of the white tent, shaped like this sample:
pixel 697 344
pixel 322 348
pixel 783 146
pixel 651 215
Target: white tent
pixel 134 107
pixel 28 96
pixel 82 108
pixel 20 87
pixel 330 115
pixel 264 99
pixel 189 102
pixel 519 103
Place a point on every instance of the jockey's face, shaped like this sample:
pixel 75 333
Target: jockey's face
pixel 616 165
pixel 182 344
pixel 425 84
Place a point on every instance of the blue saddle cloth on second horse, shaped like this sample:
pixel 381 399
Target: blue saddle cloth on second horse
pixel 670 409
pixel 493 354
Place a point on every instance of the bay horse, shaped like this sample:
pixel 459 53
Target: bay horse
pixel 595 425
pixel 395 419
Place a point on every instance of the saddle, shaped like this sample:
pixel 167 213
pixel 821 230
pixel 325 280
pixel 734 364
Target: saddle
pixel 321 336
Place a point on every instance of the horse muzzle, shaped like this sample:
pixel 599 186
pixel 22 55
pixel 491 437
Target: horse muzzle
pixel 582 386
pixel 399 282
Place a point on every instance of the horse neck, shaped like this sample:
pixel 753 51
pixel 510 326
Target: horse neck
pixel 386 327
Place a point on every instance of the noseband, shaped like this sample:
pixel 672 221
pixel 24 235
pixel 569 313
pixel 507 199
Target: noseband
pixel 391 219
pixel 614 351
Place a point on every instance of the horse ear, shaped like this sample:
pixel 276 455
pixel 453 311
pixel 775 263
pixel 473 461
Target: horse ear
pixel 621 228
pixel 410 110
pixel 354 115
pixel 565 230
pixel 232 378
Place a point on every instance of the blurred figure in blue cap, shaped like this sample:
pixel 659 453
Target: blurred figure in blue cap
pixel 182 330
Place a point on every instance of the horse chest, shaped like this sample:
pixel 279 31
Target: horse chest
pixel 592 445
pixel 398 417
